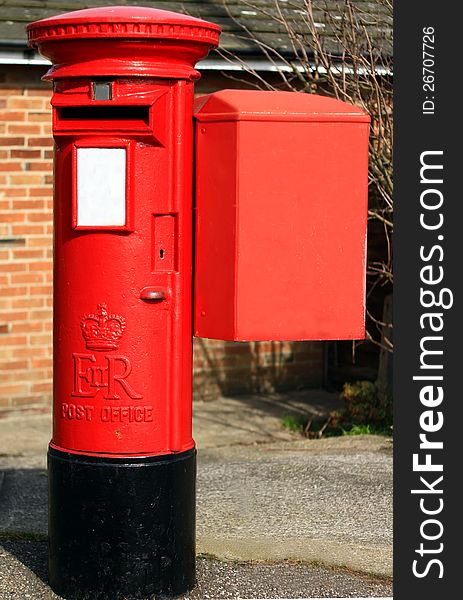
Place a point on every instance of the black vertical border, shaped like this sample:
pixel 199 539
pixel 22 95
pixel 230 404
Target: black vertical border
pixel 414 134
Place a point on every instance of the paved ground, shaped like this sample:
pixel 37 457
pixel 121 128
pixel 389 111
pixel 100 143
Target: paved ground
pixel 23 576
pixel 270 505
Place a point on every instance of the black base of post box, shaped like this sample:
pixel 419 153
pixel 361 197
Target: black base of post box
pixel 121 527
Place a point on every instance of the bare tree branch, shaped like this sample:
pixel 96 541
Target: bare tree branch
pixel 353 67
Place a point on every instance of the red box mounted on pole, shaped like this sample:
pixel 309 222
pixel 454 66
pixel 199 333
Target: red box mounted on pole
pixel 281 214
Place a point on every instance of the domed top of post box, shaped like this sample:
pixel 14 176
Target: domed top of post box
pixel 257 105
pixel 123 40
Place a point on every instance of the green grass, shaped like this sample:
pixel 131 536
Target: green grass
pixel 359 430
pixel 367 430
pixel 319 427
pixel 292 423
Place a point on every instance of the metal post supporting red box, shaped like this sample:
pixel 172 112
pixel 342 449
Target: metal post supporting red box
pixel 122 457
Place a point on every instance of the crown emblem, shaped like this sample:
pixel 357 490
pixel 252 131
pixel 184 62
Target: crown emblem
pixel 102 331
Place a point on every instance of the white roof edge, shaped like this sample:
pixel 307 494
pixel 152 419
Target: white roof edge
pixel 20 57
pixel 220 64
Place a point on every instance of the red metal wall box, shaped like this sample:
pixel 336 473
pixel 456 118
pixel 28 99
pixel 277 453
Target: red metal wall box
pixel 281 213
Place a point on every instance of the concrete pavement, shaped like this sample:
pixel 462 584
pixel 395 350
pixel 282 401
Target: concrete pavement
pixel 267 499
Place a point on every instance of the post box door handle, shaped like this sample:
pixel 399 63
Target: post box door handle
pixel 152 294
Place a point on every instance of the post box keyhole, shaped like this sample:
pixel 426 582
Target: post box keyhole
pixel 165 242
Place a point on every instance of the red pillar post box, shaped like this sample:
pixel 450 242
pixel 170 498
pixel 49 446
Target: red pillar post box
pixel 122 457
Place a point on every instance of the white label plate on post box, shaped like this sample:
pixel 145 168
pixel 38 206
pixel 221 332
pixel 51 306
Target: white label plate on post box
pixel 101 187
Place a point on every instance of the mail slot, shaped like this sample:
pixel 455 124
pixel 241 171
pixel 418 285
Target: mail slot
pixel 281 214
pixel 117 106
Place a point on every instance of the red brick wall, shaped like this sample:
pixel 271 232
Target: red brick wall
pixel 254 367
pixel 25 243
pixel 26 270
